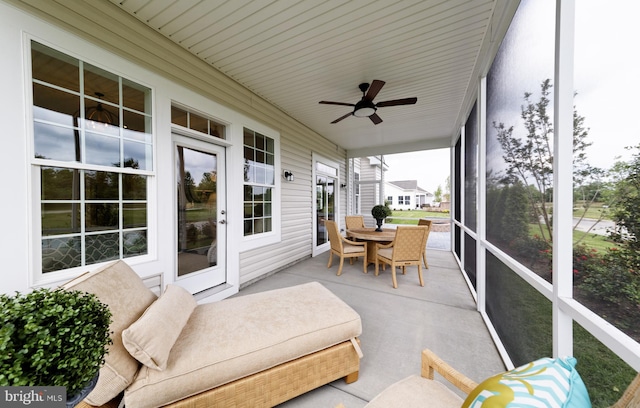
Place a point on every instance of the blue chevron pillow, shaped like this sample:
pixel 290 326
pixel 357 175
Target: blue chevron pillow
pixel 543 383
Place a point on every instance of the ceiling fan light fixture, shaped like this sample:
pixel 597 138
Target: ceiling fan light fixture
pixel 364 112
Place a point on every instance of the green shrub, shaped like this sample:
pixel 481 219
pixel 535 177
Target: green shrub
pixel 380 211
pixel 52 338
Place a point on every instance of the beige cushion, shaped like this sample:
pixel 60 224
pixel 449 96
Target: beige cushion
pixel 152 336
pixel 416 392
pixel 386 252
pixel 233 338
pixel 349 248
pixel 120 288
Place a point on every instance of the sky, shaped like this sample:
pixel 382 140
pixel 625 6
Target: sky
pixel 430 167
pixel 606 85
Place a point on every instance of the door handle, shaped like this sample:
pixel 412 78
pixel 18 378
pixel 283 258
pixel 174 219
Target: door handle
pixel 222 222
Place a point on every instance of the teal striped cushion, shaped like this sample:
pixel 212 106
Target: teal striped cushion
pixel 545 383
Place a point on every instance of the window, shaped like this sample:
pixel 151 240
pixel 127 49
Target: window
pixel 390 200
pixel 92 158
pixel 356 191
pixel 259 182
pixel 196 122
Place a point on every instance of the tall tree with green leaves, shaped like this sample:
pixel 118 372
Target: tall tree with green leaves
pixel 530 159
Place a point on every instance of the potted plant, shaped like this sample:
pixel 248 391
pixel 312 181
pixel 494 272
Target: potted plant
pixel 380 212
pixel 53 338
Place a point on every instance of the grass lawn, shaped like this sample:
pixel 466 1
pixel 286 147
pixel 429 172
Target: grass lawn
pixel 412 216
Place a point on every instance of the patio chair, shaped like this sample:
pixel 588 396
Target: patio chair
pixel 406 249
pixel 354 221
pixel 344 248
pixel 424 390
pixel 426 223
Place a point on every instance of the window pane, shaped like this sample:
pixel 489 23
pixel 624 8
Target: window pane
pixel 134 215
pixel 260 141
pixel 54 67
pixel 216 129
pixel 179 116
pixel 100 117
pixel 270 175
pixel 101 84
pixel 61 253
pixel 101 217
pixel 56 142
pixel 249 138
pixel 134 187
pixel 136 97
pixel 197 122
pixel 135 243
pixel 102 150
pixel 137 126
pixel 100 185
pixel 56 106
pixel 102 247
pixel 60 218
pixel 59 184
pixel 137 155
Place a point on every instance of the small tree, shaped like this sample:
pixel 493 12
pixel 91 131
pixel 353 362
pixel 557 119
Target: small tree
pixel 530 159
pixel 437 195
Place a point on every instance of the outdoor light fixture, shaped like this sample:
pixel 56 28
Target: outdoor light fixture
pixel 288 175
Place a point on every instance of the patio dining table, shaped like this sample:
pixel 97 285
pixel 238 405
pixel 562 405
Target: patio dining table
pixel 371 237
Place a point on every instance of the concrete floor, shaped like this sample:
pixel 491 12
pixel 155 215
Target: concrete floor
pixel 397 323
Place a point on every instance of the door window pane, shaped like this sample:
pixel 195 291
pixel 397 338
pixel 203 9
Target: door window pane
pixel 197 210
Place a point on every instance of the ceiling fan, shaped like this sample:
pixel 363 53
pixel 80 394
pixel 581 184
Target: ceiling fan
pixel 365 107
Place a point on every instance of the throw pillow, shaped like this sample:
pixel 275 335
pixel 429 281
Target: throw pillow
pixel 542 383
pixel 120 288
pixel 152 336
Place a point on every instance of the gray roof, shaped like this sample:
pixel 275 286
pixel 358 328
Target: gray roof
pixel 409 185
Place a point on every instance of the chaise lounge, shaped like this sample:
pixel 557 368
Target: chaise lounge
pixel 257 350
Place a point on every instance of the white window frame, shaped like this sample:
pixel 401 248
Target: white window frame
pixel 36 276
pixel 274 236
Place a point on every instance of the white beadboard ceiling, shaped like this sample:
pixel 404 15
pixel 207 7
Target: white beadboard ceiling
pixel 295 53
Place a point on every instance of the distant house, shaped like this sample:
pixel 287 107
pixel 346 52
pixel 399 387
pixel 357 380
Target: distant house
pixel 406 195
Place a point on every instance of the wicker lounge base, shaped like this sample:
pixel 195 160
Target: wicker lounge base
pixel 278 384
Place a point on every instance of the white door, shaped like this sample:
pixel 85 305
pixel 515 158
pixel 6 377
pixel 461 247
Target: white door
pixel 201 214
pixel 326 201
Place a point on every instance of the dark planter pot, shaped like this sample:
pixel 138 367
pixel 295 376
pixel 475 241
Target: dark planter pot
pixel 379 221
pixel 74 400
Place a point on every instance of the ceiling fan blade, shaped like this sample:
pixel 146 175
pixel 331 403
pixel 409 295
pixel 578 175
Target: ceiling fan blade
pixel 337 103
pixel 396 102
pixel 375 119
pixel 374 88
pixel 342 117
